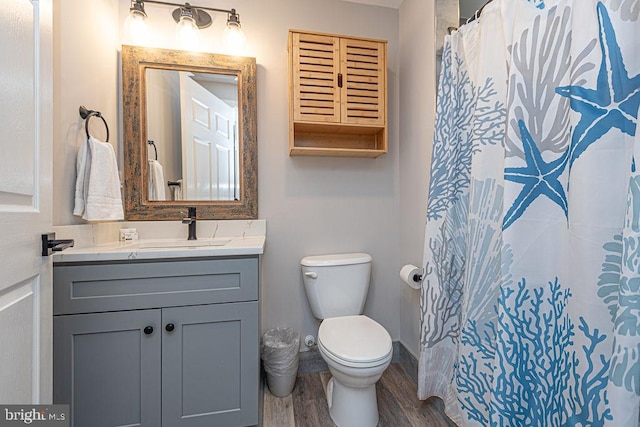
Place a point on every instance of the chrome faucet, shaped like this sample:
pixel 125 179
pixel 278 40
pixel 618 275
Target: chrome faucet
pixel 191 220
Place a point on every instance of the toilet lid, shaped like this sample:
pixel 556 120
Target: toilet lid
pixel 356 339
pixel 335 259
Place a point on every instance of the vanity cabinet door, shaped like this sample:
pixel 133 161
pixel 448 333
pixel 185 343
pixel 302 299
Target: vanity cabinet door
pixel 210 365
pixel 106 367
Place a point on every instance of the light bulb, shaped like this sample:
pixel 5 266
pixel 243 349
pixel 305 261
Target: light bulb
pixel 234 38
pixel 187 33
pixel 136 28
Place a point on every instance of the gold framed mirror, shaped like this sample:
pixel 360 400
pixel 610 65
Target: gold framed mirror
pixel 190 132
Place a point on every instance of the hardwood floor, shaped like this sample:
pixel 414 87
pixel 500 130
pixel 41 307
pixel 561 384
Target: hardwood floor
pixel 398 404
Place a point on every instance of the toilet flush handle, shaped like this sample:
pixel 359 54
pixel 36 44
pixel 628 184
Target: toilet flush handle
pixel 311 274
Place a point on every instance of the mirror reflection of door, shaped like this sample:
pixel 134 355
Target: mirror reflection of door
pixel 208 141
pixel 193 120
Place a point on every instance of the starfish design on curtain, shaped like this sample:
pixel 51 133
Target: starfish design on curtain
pixel 613 104
pixel 538 177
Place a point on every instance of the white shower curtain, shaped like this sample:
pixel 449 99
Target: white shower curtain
pixel 530 303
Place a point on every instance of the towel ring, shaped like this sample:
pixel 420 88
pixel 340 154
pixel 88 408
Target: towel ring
pixel 86 114
pixel 152 143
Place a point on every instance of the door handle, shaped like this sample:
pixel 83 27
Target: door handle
pixel 51 245
pixel 148 330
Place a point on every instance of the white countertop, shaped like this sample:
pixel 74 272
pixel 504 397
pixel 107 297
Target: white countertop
pixel 228 238
pixel 135 250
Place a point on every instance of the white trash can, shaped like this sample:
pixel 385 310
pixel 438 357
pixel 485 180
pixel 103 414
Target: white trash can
pixel 280 348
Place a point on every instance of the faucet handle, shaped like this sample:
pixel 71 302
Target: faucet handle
pixel 190 214
pixel 191 220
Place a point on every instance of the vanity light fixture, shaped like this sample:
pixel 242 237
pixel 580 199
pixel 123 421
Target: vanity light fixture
pixel 190 19
pixel 136 26
pixel 187 30
pixel 234 37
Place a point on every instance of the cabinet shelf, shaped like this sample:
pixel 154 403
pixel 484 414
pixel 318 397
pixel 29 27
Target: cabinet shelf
pixel 332 139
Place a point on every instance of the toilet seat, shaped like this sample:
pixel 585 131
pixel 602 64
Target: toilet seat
pixel 355 341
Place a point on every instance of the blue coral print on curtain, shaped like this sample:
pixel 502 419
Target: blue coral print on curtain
pixel 619 288
pixel 533 373
pixel 451 165
pixel 530 304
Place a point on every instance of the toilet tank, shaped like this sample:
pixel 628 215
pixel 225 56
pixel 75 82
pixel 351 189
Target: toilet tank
pixel 336 285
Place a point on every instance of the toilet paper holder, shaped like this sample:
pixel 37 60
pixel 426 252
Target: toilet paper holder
pixel 412 275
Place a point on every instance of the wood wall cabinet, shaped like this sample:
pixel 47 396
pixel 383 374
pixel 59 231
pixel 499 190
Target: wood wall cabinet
pixel 164 343
pixel 337 95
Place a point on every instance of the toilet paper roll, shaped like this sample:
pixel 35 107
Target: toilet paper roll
pixel 407 274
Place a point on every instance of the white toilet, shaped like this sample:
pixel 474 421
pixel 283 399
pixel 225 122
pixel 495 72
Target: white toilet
pixel 356 348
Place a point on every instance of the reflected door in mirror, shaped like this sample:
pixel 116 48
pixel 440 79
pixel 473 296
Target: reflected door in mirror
pixel 209 142
pixel 193 119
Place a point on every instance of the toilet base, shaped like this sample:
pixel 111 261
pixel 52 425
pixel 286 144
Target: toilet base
pixel 351 406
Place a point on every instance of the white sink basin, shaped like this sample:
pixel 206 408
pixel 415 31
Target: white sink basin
pixel 160 244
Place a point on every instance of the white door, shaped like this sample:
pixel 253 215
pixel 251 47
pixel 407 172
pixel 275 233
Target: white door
pixel 25 201
pixel 208 140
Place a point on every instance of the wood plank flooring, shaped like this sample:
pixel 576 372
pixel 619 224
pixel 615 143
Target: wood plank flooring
pixel 398 403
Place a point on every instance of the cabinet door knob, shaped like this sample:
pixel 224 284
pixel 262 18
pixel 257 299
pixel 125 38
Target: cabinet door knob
pixel 148 330
pixel 170 327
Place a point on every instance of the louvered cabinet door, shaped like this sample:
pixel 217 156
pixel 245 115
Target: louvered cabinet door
pixel 363 65
pixel 316 60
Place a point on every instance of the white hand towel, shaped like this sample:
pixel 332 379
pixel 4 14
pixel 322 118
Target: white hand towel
pixel 83 165
pixel 156 181
pixel 177 190
pixel 103 201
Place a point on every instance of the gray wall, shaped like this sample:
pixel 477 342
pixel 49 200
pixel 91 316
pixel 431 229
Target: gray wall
pixel 417 110
pixel 163 123
pixel 469 7
pixel 312 205
pixel 85 72
pixel 321 205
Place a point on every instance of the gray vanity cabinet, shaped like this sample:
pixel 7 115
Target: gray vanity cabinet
pixel 209 368
pixel 108 368
pixel 183 353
